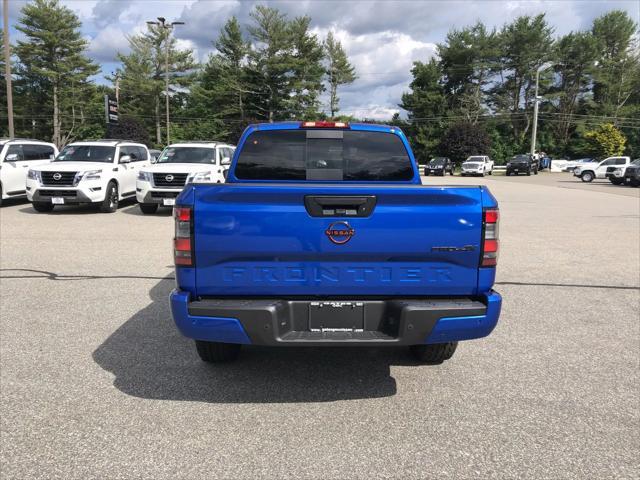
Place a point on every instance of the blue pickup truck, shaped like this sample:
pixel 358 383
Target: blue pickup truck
pixel 323 235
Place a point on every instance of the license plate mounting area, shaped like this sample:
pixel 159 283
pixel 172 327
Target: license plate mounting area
pixel 336 316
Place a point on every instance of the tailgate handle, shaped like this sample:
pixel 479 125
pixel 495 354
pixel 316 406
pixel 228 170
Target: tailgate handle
pixel 333 206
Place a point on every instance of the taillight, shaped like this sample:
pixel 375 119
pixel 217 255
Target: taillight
pixel 325 125
pixel 183 241
pixel 490 241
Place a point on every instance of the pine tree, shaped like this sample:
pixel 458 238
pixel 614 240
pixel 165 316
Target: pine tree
pixel 143 75
pixel 339 71
pixel 4 128
pixel 307 71
pixel 52 58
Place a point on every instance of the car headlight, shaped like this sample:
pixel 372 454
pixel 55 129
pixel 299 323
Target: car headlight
pixel 89 175
pixel 199 177
pixel 33 175
pixel 144 176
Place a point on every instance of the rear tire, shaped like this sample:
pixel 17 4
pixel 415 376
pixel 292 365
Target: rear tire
pixel 216 352
pixel 508 173
pixel 490 172
pixel 535 172
pixel 42 207
pixel 616 181
pixel 110 202
pixel 435 353
pixel 148 208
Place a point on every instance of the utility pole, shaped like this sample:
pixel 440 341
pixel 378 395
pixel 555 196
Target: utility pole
pixel 7 66
pixel 534 130
pixel 162 23
pixel 116 80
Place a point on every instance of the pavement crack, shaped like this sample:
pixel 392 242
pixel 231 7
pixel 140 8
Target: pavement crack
pixel 56 276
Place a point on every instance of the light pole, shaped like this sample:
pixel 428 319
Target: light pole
pixel 7 65
pixel 534 131
pixel 162 23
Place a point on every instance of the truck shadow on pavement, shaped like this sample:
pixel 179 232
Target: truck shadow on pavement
pixel 150 359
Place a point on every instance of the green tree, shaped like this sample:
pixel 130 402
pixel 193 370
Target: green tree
pixel 129 128
pixel 525 45
pixel 618 65
pixel 467 59
pixel 143 76
pixel 52 60
pixel 575 56
pixel 606 141
pixel 271 63
pixel 338 72
pixel 464 139
pixel 307 70
pixel 426 104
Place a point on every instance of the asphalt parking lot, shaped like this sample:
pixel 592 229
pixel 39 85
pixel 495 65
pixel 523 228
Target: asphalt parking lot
pixel 96 382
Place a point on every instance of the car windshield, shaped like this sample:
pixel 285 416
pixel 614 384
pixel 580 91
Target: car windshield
pixel 187 155
pixel 86 153
pixel 438 161
pixel 520 158
pixel 475 159
pixel 323 155
pixel 636 162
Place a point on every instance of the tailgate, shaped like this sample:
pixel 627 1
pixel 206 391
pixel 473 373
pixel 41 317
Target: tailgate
pixel 280 240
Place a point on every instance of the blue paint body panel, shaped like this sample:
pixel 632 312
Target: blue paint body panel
pixel 212 329
pixel 453 329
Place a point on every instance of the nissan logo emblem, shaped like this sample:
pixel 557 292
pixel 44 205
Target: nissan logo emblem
pixel 169 178
pixel 340 232
pixel 57 176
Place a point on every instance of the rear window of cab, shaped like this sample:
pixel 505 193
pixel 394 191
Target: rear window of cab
pixel 323 155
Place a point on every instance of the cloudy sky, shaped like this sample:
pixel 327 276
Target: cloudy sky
pixel 382 38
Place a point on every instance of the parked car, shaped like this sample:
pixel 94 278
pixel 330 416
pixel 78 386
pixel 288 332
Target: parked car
pixel 272 257
pixel 477 165
pixel 588 172
pixel 632 173
pixel 16 157
pixel 180 163
pixel 439 166
pixel 571 165
pixel 524 163
pixel 100 172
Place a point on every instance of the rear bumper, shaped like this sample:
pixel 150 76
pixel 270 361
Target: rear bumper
pixel 283 322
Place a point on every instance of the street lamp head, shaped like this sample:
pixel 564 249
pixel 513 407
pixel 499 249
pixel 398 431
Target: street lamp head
pixel 544 66
pixel 161 20
pixel 177 23
pixel 152 23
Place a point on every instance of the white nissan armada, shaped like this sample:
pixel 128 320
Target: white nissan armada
pixel 177 165
pixel 100 172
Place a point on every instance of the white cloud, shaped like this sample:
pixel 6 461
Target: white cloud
pixel 109 41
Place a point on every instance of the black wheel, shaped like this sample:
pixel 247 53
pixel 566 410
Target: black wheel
pixel 634 183
pixel 528 172
pixel 110 202
pixel 587 177
pixel 451 173
pixel 535 171
pixel 435 353
pixel 216 352
pixel 490 172
pixel 426 173
pixel 148 207
pixel 616 181
pixel 508 173
pixel 42 206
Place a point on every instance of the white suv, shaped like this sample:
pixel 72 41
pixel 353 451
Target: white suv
pixel 590 171
pixel 177 165
pixel 101 172
pixel 477 165
pixel 16 157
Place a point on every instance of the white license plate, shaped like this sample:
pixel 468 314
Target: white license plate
pixel 168 201
pixel 57 200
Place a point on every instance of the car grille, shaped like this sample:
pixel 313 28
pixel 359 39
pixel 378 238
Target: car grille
pixel 171 180
pixel 58 193
pixel 65 178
